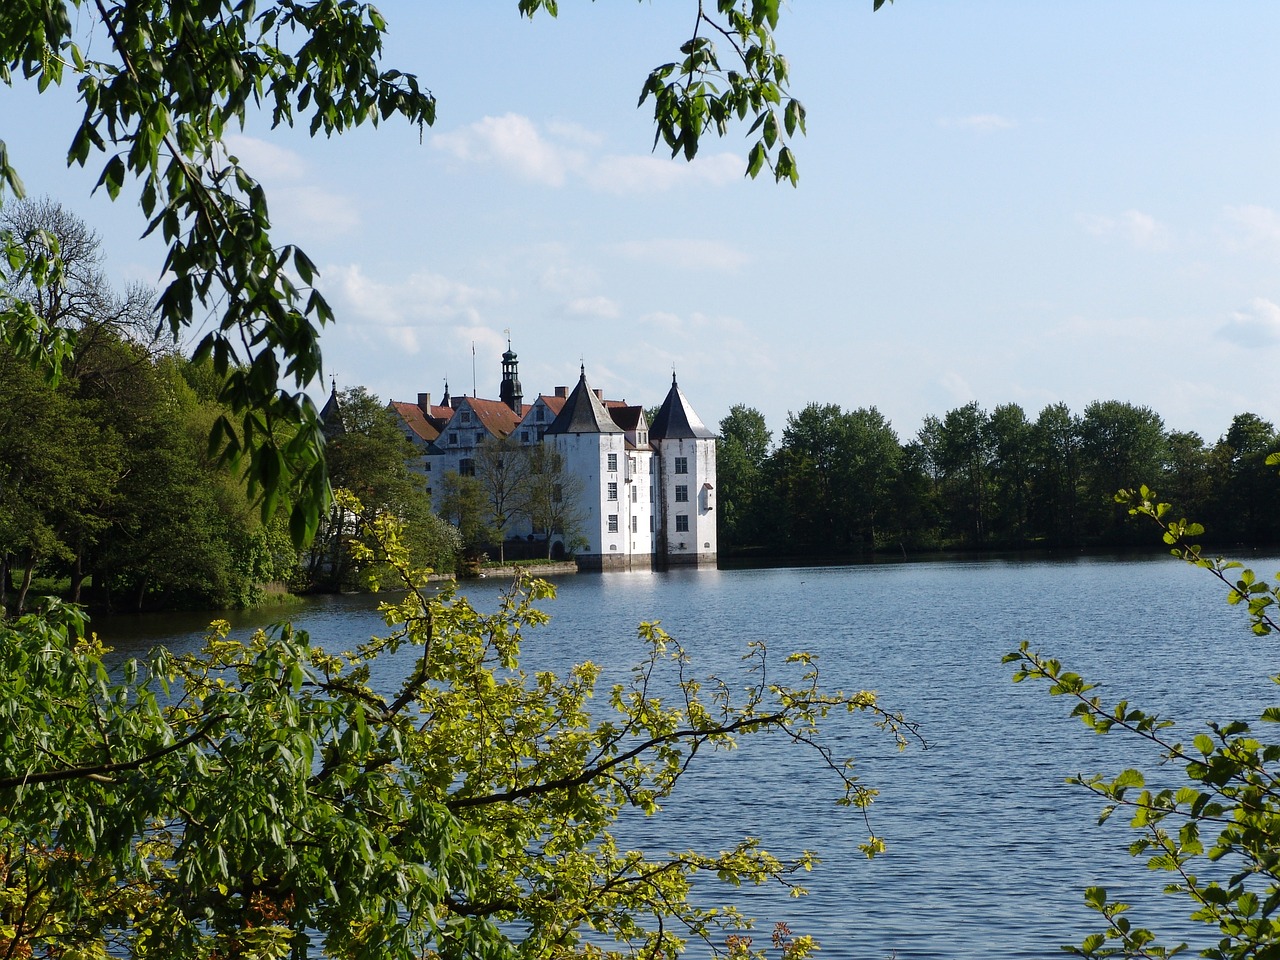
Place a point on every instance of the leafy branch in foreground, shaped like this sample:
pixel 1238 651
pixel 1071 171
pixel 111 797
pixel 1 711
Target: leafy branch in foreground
pixel 419 795
pixel 1225 812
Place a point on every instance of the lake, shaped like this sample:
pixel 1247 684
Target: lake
pixel 988 849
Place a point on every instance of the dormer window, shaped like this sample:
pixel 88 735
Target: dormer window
pixel 541 414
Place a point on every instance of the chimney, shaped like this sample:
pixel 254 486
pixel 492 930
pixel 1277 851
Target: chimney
pixel 599 392
pixel 424 402
pixel 562 391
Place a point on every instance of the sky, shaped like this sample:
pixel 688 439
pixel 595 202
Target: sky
pixel 1000 201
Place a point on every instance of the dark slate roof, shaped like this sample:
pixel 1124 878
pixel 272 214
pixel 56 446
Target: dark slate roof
pixel 331 416
pixel 628 418
pixel 676 419
pixel 583 413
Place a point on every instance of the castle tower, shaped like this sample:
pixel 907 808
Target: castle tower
pixel 509 392
pixel 614 518
pixel 685 482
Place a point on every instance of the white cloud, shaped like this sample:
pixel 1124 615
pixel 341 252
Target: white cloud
pixel 1253 227
pixel 264 160
pixel 980 122
pixel 1139 229
pixel 956 386
pixel 513 143
pixel 595 308
pixel 295 199
pixel 686 254
pixel 317 207
pixel 558 152
pixel 1257 325
pixel 649 174
pixel 417 301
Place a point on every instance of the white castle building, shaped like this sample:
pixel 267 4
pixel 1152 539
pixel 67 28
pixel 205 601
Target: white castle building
pixel 645 491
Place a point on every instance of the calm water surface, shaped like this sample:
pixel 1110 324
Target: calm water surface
pixel 989 851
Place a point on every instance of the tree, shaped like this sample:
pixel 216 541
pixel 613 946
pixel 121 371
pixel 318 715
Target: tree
pixel 462 503
pixel 964 458
pixel 1010 443
pixel 552 497
pixel 1248 490
pixel 502 468
pixel 1226 813
pixel 1056 490
pixel 284 802
pixel 369 458
pixel 741 452
pixel 168 79
pixel 1122 445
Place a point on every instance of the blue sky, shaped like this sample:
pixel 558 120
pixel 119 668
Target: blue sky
pixel 1002 201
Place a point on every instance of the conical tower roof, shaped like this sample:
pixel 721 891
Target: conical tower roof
pixel 676 419
pixel 331 416
pixel 583 412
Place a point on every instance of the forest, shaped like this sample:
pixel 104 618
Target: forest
pixel 109 492
pixel 841 483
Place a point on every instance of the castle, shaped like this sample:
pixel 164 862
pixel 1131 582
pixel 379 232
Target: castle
pixel 643 493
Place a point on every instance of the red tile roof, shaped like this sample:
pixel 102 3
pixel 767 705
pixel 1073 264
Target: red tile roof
pixel 415 420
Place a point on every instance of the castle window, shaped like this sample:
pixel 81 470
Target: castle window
pixel 613 491
pixel 453 439
pixel 682 493
pixel 467 468
pixel 635 494
pixel 479 436
pixel 682 523
pixel 524 436
pixel 613 523
pixel 682 464
pixel 466 416
pixel 613 462
pixel 541 414
pixel 635 524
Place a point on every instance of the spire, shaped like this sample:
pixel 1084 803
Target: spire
pixel 445 400
pixel 331 416
pixel 676 419
pixel 583 412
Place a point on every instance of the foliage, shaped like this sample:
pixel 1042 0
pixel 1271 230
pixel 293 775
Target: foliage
pixel 164 81
pixel 106 479
pixel 368 457
pixel 268 798
pixel 552 497
pixel 1217 836
pixel 841 483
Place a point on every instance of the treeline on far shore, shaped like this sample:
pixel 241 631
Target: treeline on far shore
pixel 841 483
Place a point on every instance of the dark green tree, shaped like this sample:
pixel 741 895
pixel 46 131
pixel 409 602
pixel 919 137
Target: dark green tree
pixel 741 452
pixel 1056 486
pixel 369 457
pixel 1121 445
pixel 964 454
pixel 1010 443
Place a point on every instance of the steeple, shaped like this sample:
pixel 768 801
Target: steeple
pixel 509 392
pixel 676 419
pixel 445 401
pixel 331 416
